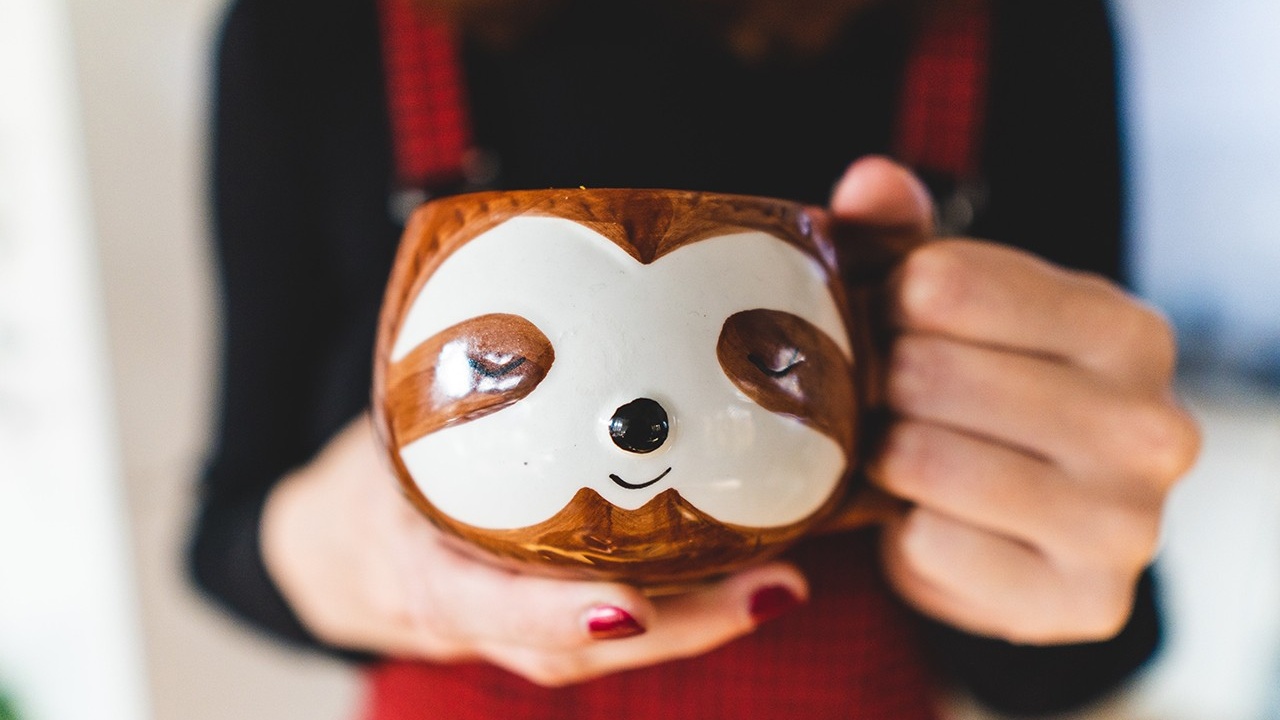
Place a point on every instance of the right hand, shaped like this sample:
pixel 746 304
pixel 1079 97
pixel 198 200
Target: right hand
pixel 364 570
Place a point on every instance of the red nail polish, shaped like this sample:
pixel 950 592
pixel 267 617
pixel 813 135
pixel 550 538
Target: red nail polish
pixel 771 602
pixel 606 622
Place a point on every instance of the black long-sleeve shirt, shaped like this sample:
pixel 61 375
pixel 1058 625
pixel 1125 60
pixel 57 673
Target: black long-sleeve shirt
pixel 612 95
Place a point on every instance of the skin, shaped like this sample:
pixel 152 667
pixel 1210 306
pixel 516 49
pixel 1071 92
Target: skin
pixel 1037 433
pixel 1036 439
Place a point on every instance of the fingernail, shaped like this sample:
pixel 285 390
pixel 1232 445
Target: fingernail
pixel 771 602
pixel 606 622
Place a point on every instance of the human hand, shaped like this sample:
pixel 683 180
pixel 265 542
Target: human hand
pixel 364 570
pixel 1035 430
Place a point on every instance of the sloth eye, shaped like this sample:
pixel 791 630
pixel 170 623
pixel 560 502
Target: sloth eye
pixel 780 365
pixel 493 365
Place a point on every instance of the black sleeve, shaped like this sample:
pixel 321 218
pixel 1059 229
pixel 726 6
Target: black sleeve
pixel 1024 680
pixel 284 308
pixel 1052 153
pixel 1054 174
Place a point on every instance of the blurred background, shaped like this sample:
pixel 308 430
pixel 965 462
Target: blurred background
pixel 108 344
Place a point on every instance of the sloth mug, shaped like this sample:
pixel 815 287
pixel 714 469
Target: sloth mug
pixel 649 386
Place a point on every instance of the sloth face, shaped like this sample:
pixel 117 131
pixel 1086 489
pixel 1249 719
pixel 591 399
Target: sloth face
pixel 552 397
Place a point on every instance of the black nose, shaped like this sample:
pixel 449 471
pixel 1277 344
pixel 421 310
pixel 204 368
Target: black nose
pixel 640 426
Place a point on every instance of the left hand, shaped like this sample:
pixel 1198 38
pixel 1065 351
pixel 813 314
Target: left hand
pixel 1036 433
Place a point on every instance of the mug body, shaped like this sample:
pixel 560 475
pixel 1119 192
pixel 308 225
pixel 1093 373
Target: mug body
pixel 649 386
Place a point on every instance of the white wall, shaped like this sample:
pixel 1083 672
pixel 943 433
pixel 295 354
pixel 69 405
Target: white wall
pixel 1204 90
pixel 1203 81
pixel 143 69
pixel 68 611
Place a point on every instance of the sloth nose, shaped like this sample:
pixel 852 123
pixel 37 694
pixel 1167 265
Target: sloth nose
pixel 640 426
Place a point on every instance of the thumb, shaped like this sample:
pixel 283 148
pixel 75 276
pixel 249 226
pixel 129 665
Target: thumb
pixel 877 192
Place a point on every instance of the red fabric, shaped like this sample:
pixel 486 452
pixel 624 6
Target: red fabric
pixel 850 653
pixel 940 121
pixel 426 96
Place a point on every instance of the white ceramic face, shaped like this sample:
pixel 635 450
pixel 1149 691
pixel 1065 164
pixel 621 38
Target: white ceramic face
pixel 622 330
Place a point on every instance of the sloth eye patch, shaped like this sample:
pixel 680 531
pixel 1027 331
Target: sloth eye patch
pixel 789 366
pixel 465 372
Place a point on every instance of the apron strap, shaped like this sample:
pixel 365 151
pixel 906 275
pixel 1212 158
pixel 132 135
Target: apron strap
pixel 426 97
pixel 944 93
pixel 940 120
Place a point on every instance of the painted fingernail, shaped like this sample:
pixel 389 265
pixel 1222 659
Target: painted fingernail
pixel 606 622
pixel 771 602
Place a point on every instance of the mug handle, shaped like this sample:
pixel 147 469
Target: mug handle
pixel 866 257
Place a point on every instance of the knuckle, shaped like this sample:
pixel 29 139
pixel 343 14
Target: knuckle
pixel 1124 536
pixel 1130 330
pixel 1146 334
pixel 1165 442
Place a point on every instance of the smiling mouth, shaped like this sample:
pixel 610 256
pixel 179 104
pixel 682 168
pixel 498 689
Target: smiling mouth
pixel 637 486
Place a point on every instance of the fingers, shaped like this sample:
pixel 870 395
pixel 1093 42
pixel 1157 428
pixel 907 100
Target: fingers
pixel 1009 493
pixel 877 192
pixel 989 294
pixel 475 603
pixel 677 626
pixel 1085 424
pixel 992 585
pixel 1034 429
pixel 694 623
pixel 1037 486
pixel 364 570
pixel 1036 434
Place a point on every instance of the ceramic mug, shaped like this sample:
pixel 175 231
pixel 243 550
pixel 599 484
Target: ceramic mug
pixel 649 386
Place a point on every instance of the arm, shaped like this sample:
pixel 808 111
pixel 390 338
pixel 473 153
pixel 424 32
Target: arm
pixel 274 314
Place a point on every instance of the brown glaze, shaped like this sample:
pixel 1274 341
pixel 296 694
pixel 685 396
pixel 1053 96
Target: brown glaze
pixel 487 363
pixel 667 541
pixel 646 224
pixel 789 366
